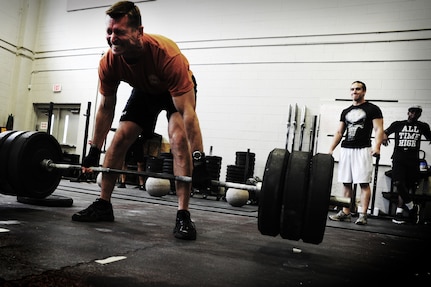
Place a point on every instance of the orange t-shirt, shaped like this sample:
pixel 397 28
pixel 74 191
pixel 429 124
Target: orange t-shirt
pixel 162 67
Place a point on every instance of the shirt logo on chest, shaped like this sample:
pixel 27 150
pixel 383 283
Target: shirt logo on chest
pixel 153 80
pixel 409 136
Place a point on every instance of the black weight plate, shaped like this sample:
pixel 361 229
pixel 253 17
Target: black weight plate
pixel 3 159
pixel 213 159
pixel 4 135
pixel 3 162
pixel 235 173
pixel 7 142
pixel 28 177
pixel 235 168
pixel 295 195
pixel 319 193
pixel 270 195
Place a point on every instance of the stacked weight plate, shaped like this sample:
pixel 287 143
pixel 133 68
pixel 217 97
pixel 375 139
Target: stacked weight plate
pixel 21 173
pixel 294 199
pixel 213 164
pixel 168 167
pixel 247 160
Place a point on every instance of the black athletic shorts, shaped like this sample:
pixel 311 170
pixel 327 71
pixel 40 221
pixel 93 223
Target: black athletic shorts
pixel 406 171
pixel 143 109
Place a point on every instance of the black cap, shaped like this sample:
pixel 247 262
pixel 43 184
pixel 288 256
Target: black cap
pixel 415 108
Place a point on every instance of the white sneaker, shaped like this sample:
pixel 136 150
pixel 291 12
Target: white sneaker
pixel 341 216
pixel 362 220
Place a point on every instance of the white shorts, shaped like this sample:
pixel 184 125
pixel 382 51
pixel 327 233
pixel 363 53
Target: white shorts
pixel 355 165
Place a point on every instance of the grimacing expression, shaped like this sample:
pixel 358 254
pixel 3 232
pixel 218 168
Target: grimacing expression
pixel 122 38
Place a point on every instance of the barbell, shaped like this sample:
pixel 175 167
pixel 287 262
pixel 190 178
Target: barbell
pixel 50 165
pixel 294 196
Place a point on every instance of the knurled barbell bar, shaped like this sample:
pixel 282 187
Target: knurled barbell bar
pixel 294 197
pixel 50 165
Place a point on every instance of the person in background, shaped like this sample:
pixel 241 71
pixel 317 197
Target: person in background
pixel 405 161
pixel 162 80
pixel 355 165
pixel 134 153
pixel 141 149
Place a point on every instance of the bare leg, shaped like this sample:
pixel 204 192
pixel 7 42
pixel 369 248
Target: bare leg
pixel 114 158
pixel 365 196
pixel 347 189
pixel 123 176
pixel 182 159
pixel 403 193
pixel 142 179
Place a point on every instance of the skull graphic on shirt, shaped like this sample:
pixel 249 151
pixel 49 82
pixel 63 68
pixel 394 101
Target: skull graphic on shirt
pixel 355 119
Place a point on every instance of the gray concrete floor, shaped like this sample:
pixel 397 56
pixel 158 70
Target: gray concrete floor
pixel 41 246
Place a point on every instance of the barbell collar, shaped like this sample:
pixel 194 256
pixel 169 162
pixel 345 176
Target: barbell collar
pixel 50 165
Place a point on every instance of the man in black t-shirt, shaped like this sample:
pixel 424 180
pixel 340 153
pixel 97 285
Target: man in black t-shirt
pixel 355 165
pixel 405 161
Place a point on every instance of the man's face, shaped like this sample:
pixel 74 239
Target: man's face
pixel 357 92
pixel 413 114
pixel 123 39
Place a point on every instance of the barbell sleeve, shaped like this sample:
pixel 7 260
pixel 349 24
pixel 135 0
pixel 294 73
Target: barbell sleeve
pixel 50 165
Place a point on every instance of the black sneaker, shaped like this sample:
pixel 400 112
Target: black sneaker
pixel 184 226
pixel 100 210
pixel 414 214
pixel 121 185
pixel 399 218
pixel 142 187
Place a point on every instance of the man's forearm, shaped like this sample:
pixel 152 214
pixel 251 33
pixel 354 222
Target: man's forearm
pixel 104 118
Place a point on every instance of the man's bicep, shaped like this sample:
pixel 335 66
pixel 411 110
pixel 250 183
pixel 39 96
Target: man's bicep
pixel 378 124
pixel 185 101
pixel 108 101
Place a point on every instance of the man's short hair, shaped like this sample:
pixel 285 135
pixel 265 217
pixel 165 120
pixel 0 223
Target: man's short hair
pixel 122 8
pixel 361 83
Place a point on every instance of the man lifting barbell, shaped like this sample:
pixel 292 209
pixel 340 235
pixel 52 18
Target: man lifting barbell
pixel 295 209
pixel 293 197
pixel 161 79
